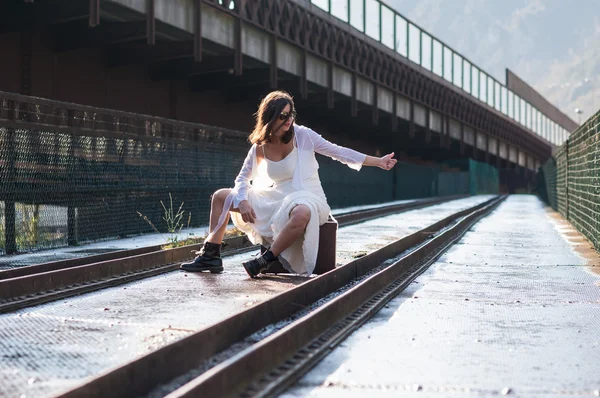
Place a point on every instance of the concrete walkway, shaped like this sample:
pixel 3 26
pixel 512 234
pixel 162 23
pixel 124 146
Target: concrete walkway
pixel 512 309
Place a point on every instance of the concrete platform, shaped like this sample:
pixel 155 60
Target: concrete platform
pixel 49 348
pixel 512 309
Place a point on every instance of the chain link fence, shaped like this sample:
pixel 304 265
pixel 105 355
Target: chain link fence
pixel 74 174
pixel 571 179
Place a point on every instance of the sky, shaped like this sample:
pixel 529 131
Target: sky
pixel 554 45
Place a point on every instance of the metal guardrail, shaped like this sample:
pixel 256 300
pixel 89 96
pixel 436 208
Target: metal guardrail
pixel 384 24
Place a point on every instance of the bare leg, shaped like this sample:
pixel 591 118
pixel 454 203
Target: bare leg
pixel 293 229
pixel 216 208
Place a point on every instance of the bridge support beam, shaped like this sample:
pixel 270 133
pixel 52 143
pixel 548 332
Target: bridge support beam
pixel 198 30
pixel 475 150
pixel 273 64
pixel 238 64
pixel 303 75
pixel 498 160
pixel 427 125
pixel 353 103
pixel 394 113
pixel 411 125
pixel 487 148
pixel 375 117
pixel 462 138
pixel 330 85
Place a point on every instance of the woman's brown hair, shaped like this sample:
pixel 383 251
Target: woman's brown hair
pixel 267 117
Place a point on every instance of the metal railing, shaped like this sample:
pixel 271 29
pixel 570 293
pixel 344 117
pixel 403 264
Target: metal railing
pixel 382 23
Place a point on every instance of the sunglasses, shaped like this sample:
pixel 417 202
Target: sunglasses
pixel 287 115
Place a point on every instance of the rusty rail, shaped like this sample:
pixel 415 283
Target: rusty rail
pixel 234 376
pixel 51 281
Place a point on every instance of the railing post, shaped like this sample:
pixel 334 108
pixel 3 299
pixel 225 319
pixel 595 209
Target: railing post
pixel 10 231
pixel 348 9
pixel 443 62
pixel 407 40
pixel 567 180
pixel 71 225
pixel 365 16
pixel 420 47
pixel 462 74
pixel 380 22
pixel 395 44
pixel 471 79
pixel 72 233
pixel 431 51
pixel 452 66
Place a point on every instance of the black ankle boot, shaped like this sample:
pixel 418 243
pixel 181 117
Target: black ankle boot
pixel 259 264
pixel 208 259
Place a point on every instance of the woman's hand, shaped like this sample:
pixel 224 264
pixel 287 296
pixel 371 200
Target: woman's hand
pixel 387 162
pixel 247 212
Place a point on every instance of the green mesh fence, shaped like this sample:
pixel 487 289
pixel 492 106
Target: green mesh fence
pixel 73 174
pixel 572 179
pixel 472 177
pixel 547 184
pixel 483 178
pixel 561 157
pixel 451 183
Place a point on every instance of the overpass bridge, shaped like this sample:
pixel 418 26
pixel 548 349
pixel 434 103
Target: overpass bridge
pixel 360 60
pixel 85 75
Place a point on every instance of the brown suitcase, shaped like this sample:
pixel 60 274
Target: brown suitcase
pixel 326 256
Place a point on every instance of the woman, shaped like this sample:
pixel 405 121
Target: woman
pixel 285 205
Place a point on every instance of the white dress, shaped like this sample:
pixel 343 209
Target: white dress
pixel 273 189
pixel 274 199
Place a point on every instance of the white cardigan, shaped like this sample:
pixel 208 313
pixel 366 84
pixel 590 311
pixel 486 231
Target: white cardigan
pixel 308 142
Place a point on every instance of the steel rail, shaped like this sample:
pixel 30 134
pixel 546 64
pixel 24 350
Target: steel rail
pixel 53 281
pixel 272 365
pixel 344 219
pixel 232 377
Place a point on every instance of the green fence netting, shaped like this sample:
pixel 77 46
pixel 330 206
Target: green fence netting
pixel 72 174
pixel 571 179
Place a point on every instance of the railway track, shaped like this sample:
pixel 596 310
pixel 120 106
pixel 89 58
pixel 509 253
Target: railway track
pixel 37 284
pixel 264 349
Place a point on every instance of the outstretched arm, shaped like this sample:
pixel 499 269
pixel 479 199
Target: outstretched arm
pixel 350 157
pixel 386 162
